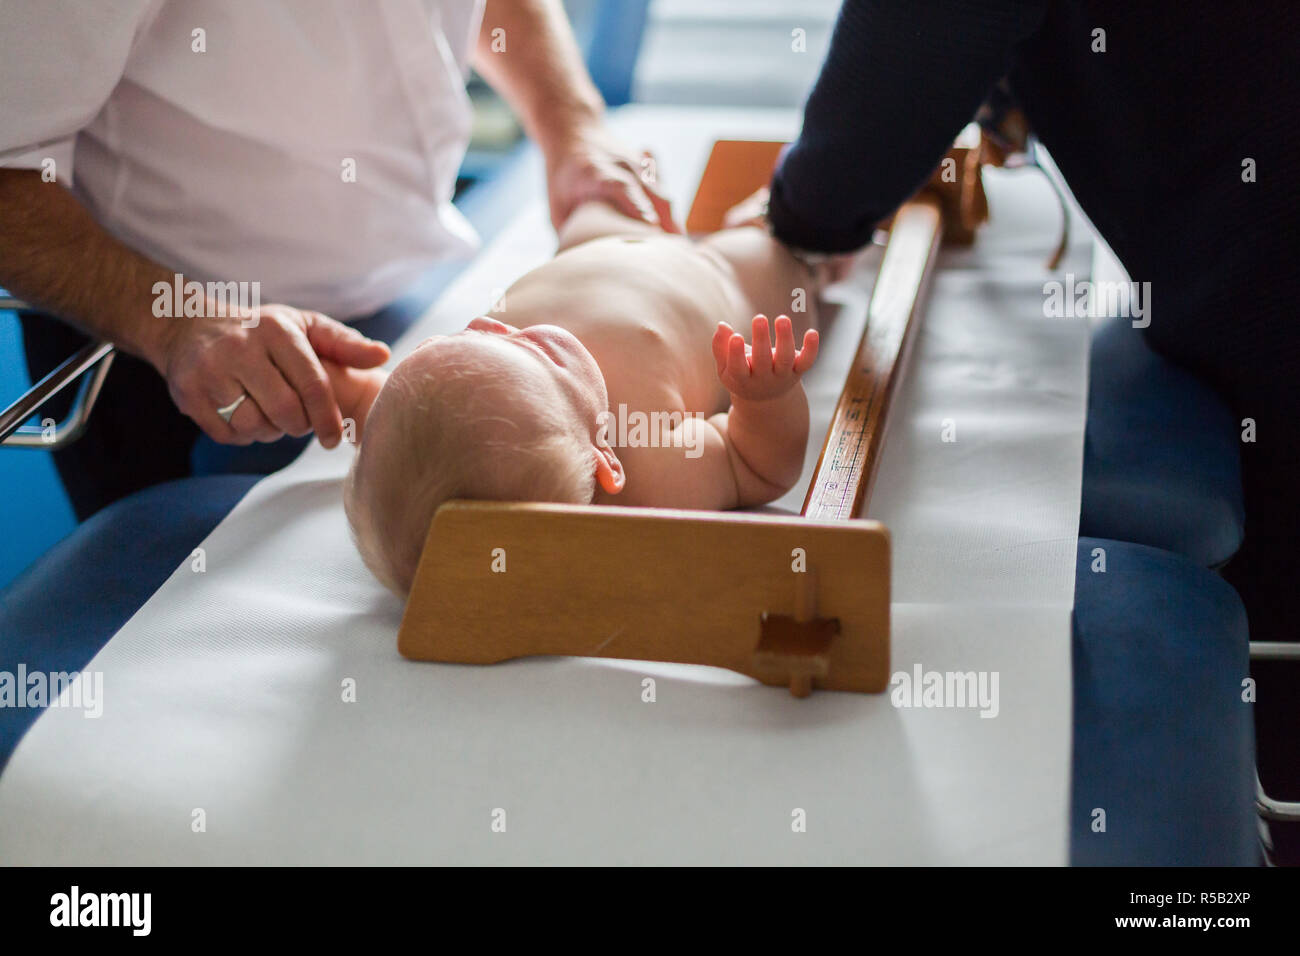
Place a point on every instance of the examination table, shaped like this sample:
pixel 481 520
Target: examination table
pixel 1161 741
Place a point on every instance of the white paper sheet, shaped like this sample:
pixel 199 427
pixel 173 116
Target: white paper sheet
pixel 225 692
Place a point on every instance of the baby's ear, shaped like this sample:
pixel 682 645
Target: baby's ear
pixel 609 470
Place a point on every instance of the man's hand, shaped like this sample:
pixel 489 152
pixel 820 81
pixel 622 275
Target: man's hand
pixel 750 211
pixel 761 372
pixel 527 52
pixel 47 236
pixel 210 362
pixel 594 165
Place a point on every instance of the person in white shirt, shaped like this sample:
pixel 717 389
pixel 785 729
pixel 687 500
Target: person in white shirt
pixel 305 150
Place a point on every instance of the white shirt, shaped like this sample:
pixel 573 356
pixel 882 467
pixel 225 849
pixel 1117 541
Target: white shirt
pixel 231 164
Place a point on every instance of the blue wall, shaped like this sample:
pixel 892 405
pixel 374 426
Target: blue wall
pixel 34 512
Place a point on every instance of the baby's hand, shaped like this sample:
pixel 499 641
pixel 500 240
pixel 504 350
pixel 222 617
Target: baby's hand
pixel 762 372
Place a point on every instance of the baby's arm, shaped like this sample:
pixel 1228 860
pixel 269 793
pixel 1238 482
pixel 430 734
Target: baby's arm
pixel 766 429
pixel 747 456
pixel 355 390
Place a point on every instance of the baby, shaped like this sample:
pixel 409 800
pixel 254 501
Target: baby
pixel 533 401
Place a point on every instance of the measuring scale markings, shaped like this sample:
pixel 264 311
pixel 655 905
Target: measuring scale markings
pixel 855 438
pixel 845 476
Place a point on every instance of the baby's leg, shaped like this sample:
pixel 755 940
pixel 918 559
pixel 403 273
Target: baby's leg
pixel 595 220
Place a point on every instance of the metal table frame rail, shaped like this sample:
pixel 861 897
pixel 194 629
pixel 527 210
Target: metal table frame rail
pixel 1281 811
pixel 94 358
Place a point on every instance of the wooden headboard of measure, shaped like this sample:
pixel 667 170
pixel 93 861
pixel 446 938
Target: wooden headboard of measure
pixel 735 170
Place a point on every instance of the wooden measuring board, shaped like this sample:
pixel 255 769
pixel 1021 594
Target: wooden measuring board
pixel 850 455
pixel 950 208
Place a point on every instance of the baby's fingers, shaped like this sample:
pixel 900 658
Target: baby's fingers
pixel 721 336
pixel 784 343
pixel 808 354
pixel 737 363
pixel 761 360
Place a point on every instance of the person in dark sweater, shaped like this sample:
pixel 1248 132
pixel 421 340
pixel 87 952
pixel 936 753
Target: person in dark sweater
pixel 1177 127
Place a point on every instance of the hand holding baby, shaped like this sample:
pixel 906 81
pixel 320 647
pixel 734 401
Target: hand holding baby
pixel 760 372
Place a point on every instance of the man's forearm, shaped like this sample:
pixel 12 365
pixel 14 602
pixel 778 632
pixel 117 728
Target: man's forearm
pixel 526 50
pixel 54 255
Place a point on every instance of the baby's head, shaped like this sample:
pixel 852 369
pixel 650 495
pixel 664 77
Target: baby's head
pixel 493 412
